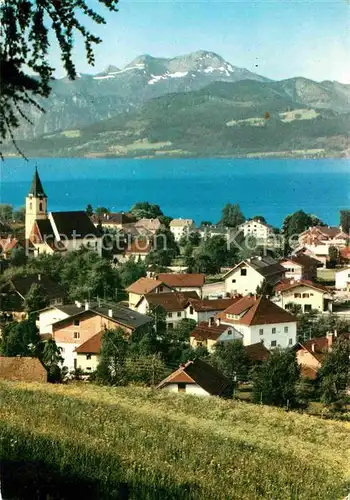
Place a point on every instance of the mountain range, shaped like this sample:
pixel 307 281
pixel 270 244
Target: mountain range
pixel 192 105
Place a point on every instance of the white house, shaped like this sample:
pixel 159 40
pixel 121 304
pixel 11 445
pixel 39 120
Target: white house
pixel 208 333
pixel 182 282
pixel 300 267
pixel 143 286
pixel 260 320
pixel 246 276
pixel 203 309
pixel 342 279
pixel 198 378
pixel 181 227
pixel 309 296
pixel 257 228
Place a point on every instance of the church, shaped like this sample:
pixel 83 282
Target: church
pixel 50 232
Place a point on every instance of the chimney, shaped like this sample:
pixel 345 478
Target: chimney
pixel 87 305
pixel 77 303
pixel 210 321
pixel 39 277
pixel 110 313
pixel 218 321
pixel 313 347
pixel 329 340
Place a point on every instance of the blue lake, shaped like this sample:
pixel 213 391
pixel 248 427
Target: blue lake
pixel 193 188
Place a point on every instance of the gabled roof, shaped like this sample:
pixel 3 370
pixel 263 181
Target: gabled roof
pixel 177 280
pixel 266 266
pixel 139 246
pixel 257 352
pixel 203 305
pixel 283 286
pixel 200 373
pixel 8 244
pixel 149 224
pixel 22 369
pixel 301 260
pixel 325 231
pixel 144 285
pixel 172 301
pixel 206 331
pixel 46 235
pixel 181 222
pixel 75 224
pixel 92 345
pixel 36 188
pixel 345 253
pixel 254 310
pixel 22 285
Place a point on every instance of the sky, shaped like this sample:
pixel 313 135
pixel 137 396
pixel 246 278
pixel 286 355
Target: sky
pixel 276 38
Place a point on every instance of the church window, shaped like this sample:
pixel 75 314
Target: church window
pixel 30 206
pixel 40 206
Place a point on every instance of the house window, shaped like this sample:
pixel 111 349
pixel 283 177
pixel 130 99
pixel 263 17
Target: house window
pixel 229 332
pixel 76 322
pixel 273 330
pixel 297 295
pixel 191 310
pixel 233 281
pixel 286 329
pixel 305 295
pixel 76 335
pixel 290 342
pixel 273 343
pixel 170 315
pixel 261 331
pixel 243 272
pixel 88 356
pixel 161 288
pixel 170 326
pixel 307 307
pixel 88 367
pixel 181 387
pixel 179 314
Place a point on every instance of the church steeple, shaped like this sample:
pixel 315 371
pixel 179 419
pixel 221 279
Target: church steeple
pixel 37 189
pixel 36 204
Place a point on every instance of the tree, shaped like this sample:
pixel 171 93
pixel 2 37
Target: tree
pixel 294 224
pixel 335 372
pixel 89 210
pixel 212 254
pixel 345 220
pixel 274 381
pixel 334 255
pixel 232 360
pixel 101 211
pixel 52 357
pixel 231 215
pixel 131 271
pixel 26 71
pixel 260 218
pixel 18 257
pixel 6 211
pixel 21 339
pixel 19 215
pixel 145 210
pixel 206 223
pixel 36 298
pixel 111 368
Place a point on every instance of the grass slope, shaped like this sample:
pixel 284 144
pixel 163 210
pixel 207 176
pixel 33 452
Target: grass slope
pixel 174 446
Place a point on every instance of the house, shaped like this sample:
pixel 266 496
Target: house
pixel 13 293
pixel 57 231
pixel 300 267
pixel 199 378
pixel 208 333
pixel 138 249
pixel 317 240
pixel 113 220
pixel 85 321
pixel 8 245
pixel 148 226
pixel 215 290
pixel 311 353
pixel 202 309
pixel 260 320
pixel 181 227
pixel 208 231
pixel 22 369
pixel 342 279
pixel 182 282
pixel 345 255
pixel 143 286
pixel 257 353
pixel 174 304
pixel 88 353
pixel 249 274
pixel 258 229
pixel 308 295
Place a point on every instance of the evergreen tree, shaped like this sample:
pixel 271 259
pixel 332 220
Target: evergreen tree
pixel 21 339
pixel 36 298
pixel 89 210
pixel 231 359
pixel 111 368
pixel 335 372
pixel 232 215
pixel 145 210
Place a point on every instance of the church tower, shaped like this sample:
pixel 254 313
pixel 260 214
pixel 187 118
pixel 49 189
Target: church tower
pixel 36 204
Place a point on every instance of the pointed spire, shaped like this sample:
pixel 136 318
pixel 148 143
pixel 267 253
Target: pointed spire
pixel 37 189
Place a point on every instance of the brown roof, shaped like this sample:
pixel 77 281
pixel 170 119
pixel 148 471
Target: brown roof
pixel 91 346
pixel 326 231
pixel 302 260
pixel 182 279
pixel 139 246
pixel 172 301
pixel 254 310
pixel 257 352
pixel 202 305
pixel 22 369
pixel 144 285
pixel 117 218
pixel 289 285
pixel 204 375
pixel 345 253
pixel 268 267
pixel 7 244
pixel 204 331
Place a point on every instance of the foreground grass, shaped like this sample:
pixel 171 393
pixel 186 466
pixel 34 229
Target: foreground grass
pixel 174 446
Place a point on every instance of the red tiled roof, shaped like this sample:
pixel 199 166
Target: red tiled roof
pixel 290 284
pixel 172 301
pixel 143 286
pixel 327 231
pixel 212 305
pixel 345 253
pixel 7 244
pixel 139 246
pixel 255 310
pixel 92 345
pixel 204 332
pixel 182 279
pixel 202 374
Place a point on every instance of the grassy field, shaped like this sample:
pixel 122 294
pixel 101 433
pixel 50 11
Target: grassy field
pixel 174 446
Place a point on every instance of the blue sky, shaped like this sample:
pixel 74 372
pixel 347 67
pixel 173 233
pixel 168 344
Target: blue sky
pixel 278 39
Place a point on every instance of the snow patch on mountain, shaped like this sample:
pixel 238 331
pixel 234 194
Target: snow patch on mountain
pixel 158 78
